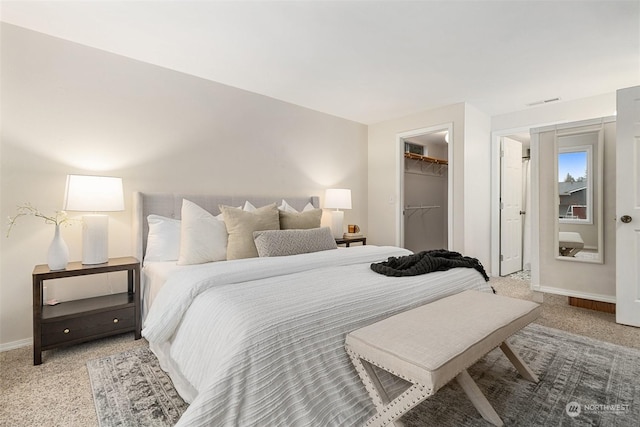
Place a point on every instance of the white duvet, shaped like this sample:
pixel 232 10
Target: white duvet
pixel 260 342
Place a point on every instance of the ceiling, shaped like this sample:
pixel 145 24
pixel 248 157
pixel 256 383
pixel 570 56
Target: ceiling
pixel 363 60
pixel 437 137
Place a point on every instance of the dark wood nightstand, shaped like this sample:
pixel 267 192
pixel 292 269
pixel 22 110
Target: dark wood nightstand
pixel 347 241
pixel 73 322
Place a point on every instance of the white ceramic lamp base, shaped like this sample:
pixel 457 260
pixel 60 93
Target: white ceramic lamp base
pixel 337 221
pixel 95 232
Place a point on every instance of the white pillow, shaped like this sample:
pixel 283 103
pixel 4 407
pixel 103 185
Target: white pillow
pixel 163 240
pixel 286 207
pixel 248 207
pixel 203 236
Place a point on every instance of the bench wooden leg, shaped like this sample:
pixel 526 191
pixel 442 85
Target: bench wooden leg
pixel 478 399
pixel 522 367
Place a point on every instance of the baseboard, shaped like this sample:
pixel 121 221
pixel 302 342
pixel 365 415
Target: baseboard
pixel 606 307
pixel 577 294
pixel 15 344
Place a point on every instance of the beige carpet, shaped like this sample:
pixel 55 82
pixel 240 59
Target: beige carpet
pixel 557 313
pixel 58 392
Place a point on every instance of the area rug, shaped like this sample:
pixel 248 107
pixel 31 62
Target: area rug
pixel 130 389
pixel 583 382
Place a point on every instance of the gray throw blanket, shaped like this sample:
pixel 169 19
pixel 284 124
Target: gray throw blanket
pixel 426 262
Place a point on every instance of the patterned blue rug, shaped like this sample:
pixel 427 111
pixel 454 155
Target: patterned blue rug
pixel 583 382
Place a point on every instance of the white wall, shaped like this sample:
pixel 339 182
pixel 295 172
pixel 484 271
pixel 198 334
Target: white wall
pixel 383 172
pixel 67 108
pixel 477 186
pixel 469 168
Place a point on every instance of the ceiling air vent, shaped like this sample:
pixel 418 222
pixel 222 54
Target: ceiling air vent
pixel 544 101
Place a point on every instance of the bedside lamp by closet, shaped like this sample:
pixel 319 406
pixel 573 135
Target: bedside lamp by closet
pixel 94 194
pixel 337 198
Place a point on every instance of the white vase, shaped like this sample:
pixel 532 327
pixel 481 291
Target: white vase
pixel 58 256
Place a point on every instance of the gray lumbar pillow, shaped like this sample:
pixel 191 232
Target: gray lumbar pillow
pixel 293 242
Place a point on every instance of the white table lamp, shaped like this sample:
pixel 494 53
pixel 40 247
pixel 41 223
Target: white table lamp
pixel 337 198
pixel 94 194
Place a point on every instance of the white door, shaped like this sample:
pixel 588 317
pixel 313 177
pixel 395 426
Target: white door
pixel 510 207
pixel 628 207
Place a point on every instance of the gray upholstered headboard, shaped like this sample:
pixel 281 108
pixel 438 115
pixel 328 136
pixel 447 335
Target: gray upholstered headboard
pixel 170 205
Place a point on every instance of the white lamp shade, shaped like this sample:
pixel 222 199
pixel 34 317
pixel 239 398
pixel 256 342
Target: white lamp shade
pixel 337 198
pixel 93 194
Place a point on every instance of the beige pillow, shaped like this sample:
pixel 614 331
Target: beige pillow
pixel 300 220
pixel 203 237
pixel 241 225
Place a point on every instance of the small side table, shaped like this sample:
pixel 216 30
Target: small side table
pixel 73 322
pixel 347 241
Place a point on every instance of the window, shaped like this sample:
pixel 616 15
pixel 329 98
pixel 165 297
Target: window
pixel 575 188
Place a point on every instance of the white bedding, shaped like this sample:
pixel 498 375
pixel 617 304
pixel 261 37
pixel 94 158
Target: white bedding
pixel 260 341
pixel 154 275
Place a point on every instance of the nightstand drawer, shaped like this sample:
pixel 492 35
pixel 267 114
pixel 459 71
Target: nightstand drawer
pixel 87 326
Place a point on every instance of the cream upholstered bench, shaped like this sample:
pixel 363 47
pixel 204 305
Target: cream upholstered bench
pixel 570 243
pixel 432 344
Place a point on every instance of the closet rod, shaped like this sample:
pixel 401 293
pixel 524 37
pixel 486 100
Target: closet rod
pixel 421 207
pixel 434 174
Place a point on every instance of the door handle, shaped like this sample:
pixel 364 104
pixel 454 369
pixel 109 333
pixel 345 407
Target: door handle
pixel 625 218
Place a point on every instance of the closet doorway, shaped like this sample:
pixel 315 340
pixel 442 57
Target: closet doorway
pixel 425 188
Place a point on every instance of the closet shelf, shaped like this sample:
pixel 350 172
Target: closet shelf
pixel 425 159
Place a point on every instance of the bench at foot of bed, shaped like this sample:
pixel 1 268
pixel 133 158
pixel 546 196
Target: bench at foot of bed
pixel 435 343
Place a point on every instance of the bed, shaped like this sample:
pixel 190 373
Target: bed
pixel 260 341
